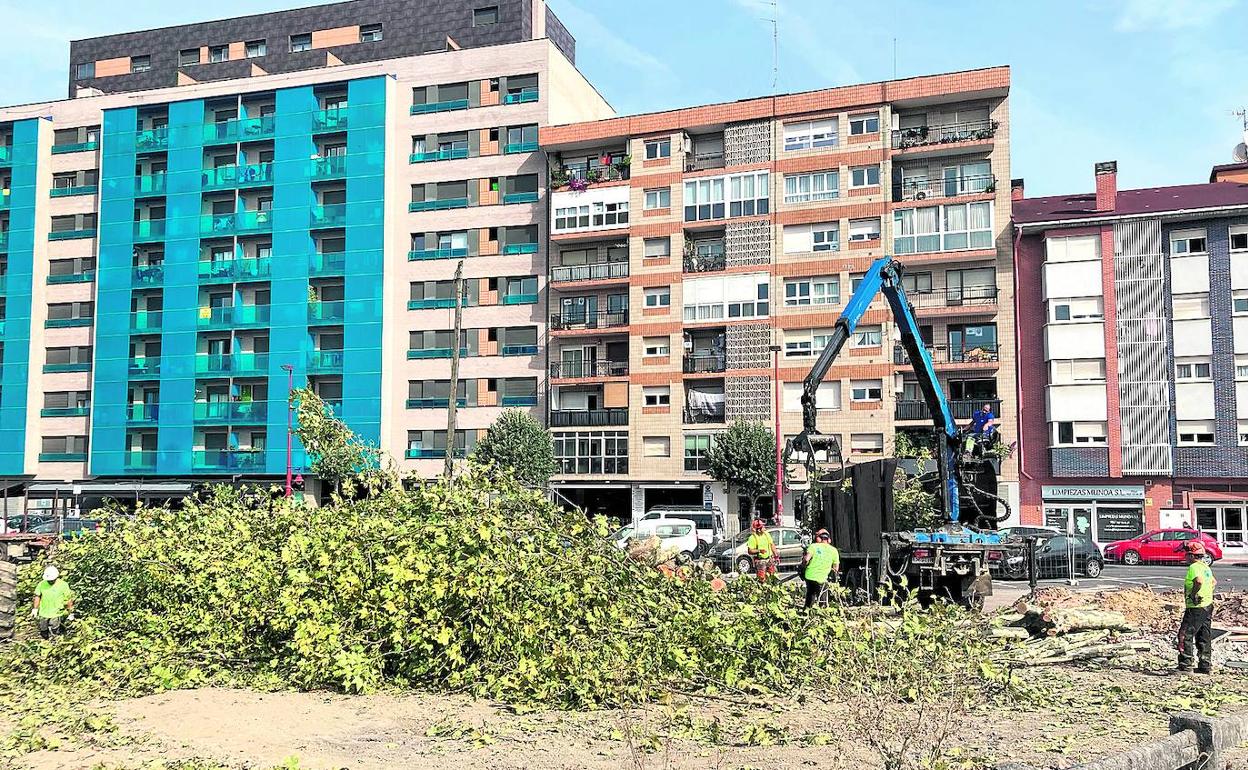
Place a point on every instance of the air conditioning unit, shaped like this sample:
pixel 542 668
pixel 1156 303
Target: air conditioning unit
pixel 920 195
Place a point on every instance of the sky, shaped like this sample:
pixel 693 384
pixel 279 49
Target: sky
pixel 1152 84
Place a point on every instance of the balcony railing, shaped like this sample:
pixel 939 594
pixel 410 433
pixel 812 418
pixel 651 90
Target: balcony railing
pixel 68 235
pixel 329 215
pixel 329 167
pixel 615 171
pixel 86 276
pixel 963 409
pixel 512 148
pixel 924 189
pixel 442 153
pixel 519 350
pixel 598 271
pixel 705 363
pixel 229 270
pixel 435 353
pixel 705 263
pixel 520 248
pixel 322 313
pixel 145 321
pixel 149 230
pixel 58 149
pixel 598 320
pixel 232 363
pixel 140 461
pixel 435 402
pixel 62 457
pixel 6 155
pixel 520 299
pixel 518 400
pixel 63 192
pixel 694 416
pixel 447 252
pixel 148 275
pixel 149 184
pixel 521 197
pixel 238 176
pixel 444 106
pixel 941 354
pixel 522 96
pixel 227 460
pixel 438 204
pixel 239 412
pixel 240 130
pixel 231 315
pixel 144 367
pixel 955 297
pixel 576 369
pixel 239 222
pixel 433 453
pixel 333 119
pixel 152 139
pixel 65 411
pixel 587 418
pixel 700 161
pixel 142 413
pixel 324 361
pixel 329 263
pixel 920 136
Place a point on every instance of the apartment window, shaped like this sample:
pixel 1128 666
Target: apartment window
pixel 1241 367
pixel 1074 310
pixel 916 230
pixel 658 247
pixel 1195 432
pixel 866 443
pixel 797 347
pixel 658 148
pixel 64 445
pixel 917 283
pixel 592 451
pixel 85 70
pixel 1239 302
pixel 483 16
pixel 1072 371
pixel 1188 306
pixel 1075 248
pixel 656 346
pixel 864 230
pixel 140 63
pixel 301 42
pixel 70 355
pixel 77 266
pixel 609 214
pixel 256 48
pixel 866 390
pixel 71 399
pixel 188 56
pixel 1239 238
pixel 218 53
pixel 734 296
pixel 823 236
pixel 1079 433
pixel 66 311
pixel 803 188
pixel 1187 242
pixel 808 134
pixel 864 176
pixel 1193 369
pixel 656 446
pixel 657 395
pixel 1242 430
pixel 572 217
pixel 868 337
pixel 370 33
pixel 660 296
pixel 967 226
pixel 696 449
pixel 659 198
pixel 747 196
pixel 864 124
pixel 812 291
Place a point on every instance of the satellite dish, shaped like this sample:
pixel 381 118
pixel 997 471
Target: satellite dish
pixel 1240 153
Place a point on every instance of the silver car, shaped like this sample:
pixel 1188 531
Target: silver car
pixel 732 555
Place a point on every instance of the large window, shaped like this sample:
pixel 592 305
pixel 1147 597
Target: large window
pixel 731 296
pixel 1196 432
pixel 812 291
pixel 746 195
pixel 951 227
pixel 1078 433
pixel 609 214
pixel 696 448
pixel 658 148
pixel 803 188
pixel 967 226
pixel 572 217
pixel 916 230
pixel 1188 242
pixel 1076 310
pixel 823 236
pixel 1074 371
pixel 592 452
pixel 808 134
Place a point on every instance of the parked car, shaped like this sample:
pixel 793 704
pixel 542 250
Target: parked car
pixel 681 534
pixel 1021 532
pixel 733 556
pixel 1161 546
pixel 709 522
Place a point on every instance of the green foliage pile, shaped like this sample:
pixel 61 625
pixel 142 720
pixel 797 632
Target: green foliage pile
pixel 476 585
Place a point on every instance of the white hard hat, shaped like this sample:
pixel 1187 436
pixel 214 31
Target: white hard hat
pixel 51 573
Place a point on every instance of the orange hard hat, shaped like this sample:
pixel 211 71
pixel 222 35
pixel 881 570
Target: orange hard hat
pixel 758 524
pixel 1194 547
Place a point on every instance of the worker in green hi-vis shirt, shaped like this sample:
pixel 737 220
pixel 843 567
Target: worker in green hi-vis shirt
pixel 820 562
pixel 54 603
pixel 1196 628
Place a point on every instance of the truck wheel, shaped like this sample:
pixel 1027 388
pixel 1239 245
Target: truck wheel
pixel 745 565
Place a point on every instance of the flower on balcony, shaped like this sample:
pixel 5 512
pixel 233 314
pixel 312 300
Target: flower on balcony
pixel 579 184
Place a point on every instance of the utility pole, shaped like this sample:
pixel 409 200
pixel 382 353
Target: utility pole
pixel 775 407
pixel 453 404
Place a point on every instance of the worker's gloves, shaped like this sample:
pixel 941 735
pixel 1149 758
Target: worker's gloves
pixel 34 613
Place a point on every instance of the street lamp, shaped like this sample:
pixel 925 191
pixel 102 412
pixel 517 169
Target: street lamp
pixel 290 424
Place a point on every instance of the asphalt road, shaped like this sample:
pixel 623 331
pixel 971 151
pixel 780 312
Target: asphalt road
pixel 1230 577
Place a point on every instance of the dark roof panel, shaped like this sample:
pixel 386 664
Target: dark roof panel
pixel 1149 200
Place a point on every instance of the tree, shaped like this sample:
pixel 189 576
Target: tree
pixel 744 458
pixel 519 443
pixel 340 458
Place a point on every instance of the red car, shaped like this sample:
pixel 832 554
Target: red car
pixel 1162 545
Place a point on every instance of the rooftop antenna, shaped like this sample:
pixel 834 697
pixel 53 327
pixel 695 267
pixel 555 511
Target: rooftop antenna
pixel 775 42
pixel 1240 153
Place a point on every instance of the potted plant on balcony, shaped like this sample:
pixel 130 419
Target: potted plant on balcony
pixel 623 164
pixel 578 184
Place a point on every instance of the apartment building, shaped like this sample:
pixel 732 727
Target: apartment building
pixel 1133 356
pixel 699 258
pixel 226 210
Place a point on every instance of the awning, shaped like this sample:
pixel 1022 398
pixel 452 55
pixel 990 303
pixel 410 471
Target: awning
pixel 126 488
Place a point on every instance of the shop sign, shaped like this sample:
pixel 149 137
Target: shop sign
pixel 1078 492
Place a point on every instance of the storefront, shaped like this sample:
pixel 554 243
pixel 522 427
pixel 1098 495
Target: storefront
pixel 1226 520
pixel 1107 513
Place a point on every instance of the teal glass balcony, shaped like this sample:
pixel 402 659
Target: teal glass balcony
pixel 432 303
pixel 152 139
pixel 59 149
pixel 448 153
pixel 433 453
pixel 66 192
pixel 227 460
pixel 519 350
pixel 4 283
pixel 148 275
pixel 324 361
pixel 140 461
pixel 446 106
pixel 442 253
pixel 62 457
pixel 438 204
pixel 333 263
pixel 520 299
pixel 6 155
pixel 142 414
pixel 435 353
pixel 241 130
pixel 523 96
pixel 65 411
pixel 69 235
pixel 5 197
pixel 144 367
pixel 516 147
pixel 2 324
pixel 322 313
pixel 520 197
pixel 237 223
pixel 86 276
pixel 216 364
pixel 328 121
pixel 235 412
pixel 77 366
pixel 232 316
pixel 438 402
pixel 519 400
pixel 329 215
pixel 67 323
pixel 145 321
pixel 332 167
pixel 231 270
pixel 149 230
pixel 247 175
pixel 4 241
pixel 520 248
pixel 149 184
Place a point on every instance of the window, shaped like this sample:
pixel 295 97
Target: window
pixel 1072 371
pixel 1075 248
pixel 370 33
pixel 656 346
pixel 866 443
pixel 797 345
pixel 256 48
pixel 1195 432
pixel 823 236
pixel 1241 367
pixel 572 217
pixel 659 198
pixel 660 296
pixel 1242 430
pixel 733 296
pixel 828 398
pixel 301 42
pixel 1187 306
pixel 916 230
pixel 864 230
pixel 483 16
pixel 696 449
pixel 86 70
pixel 188 56
pixel 808 134
pixel 967 226
pixel 592 451
pixel 1075 433
pixel 812 291
pixel 864 124
pixel 657 395
pixel 866 390
pixel 747 196
pixel 658 148
pixel 657 247
pixel 65 311
pixel 1239 238
pixel 864 176
pixel 1082 309
pixel 609 214
pixel 868 337
pixel 64 445
pixel 218 53
pixel 1192 369
pixel 140 63
pixel 1187 242
pixel 656 446
pixel 803 188
pixel 917 283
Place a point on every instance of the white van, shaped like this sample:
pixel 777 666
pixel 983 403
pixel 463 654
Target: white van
pixel 709 521
pixel 679 534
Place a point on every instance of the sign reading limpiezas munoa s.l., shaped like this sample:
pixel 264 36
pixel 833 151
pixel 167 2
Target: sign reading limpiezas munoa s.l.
pixel 1091 492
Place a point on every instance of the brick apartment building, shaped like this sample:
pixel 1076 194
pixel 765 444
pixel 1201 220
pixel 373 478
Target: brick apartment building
pixel 695 252
pixel 1133 356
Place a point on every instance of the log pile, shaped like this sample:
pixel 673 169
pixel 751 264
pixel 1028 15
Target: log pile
pixel 1036 635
